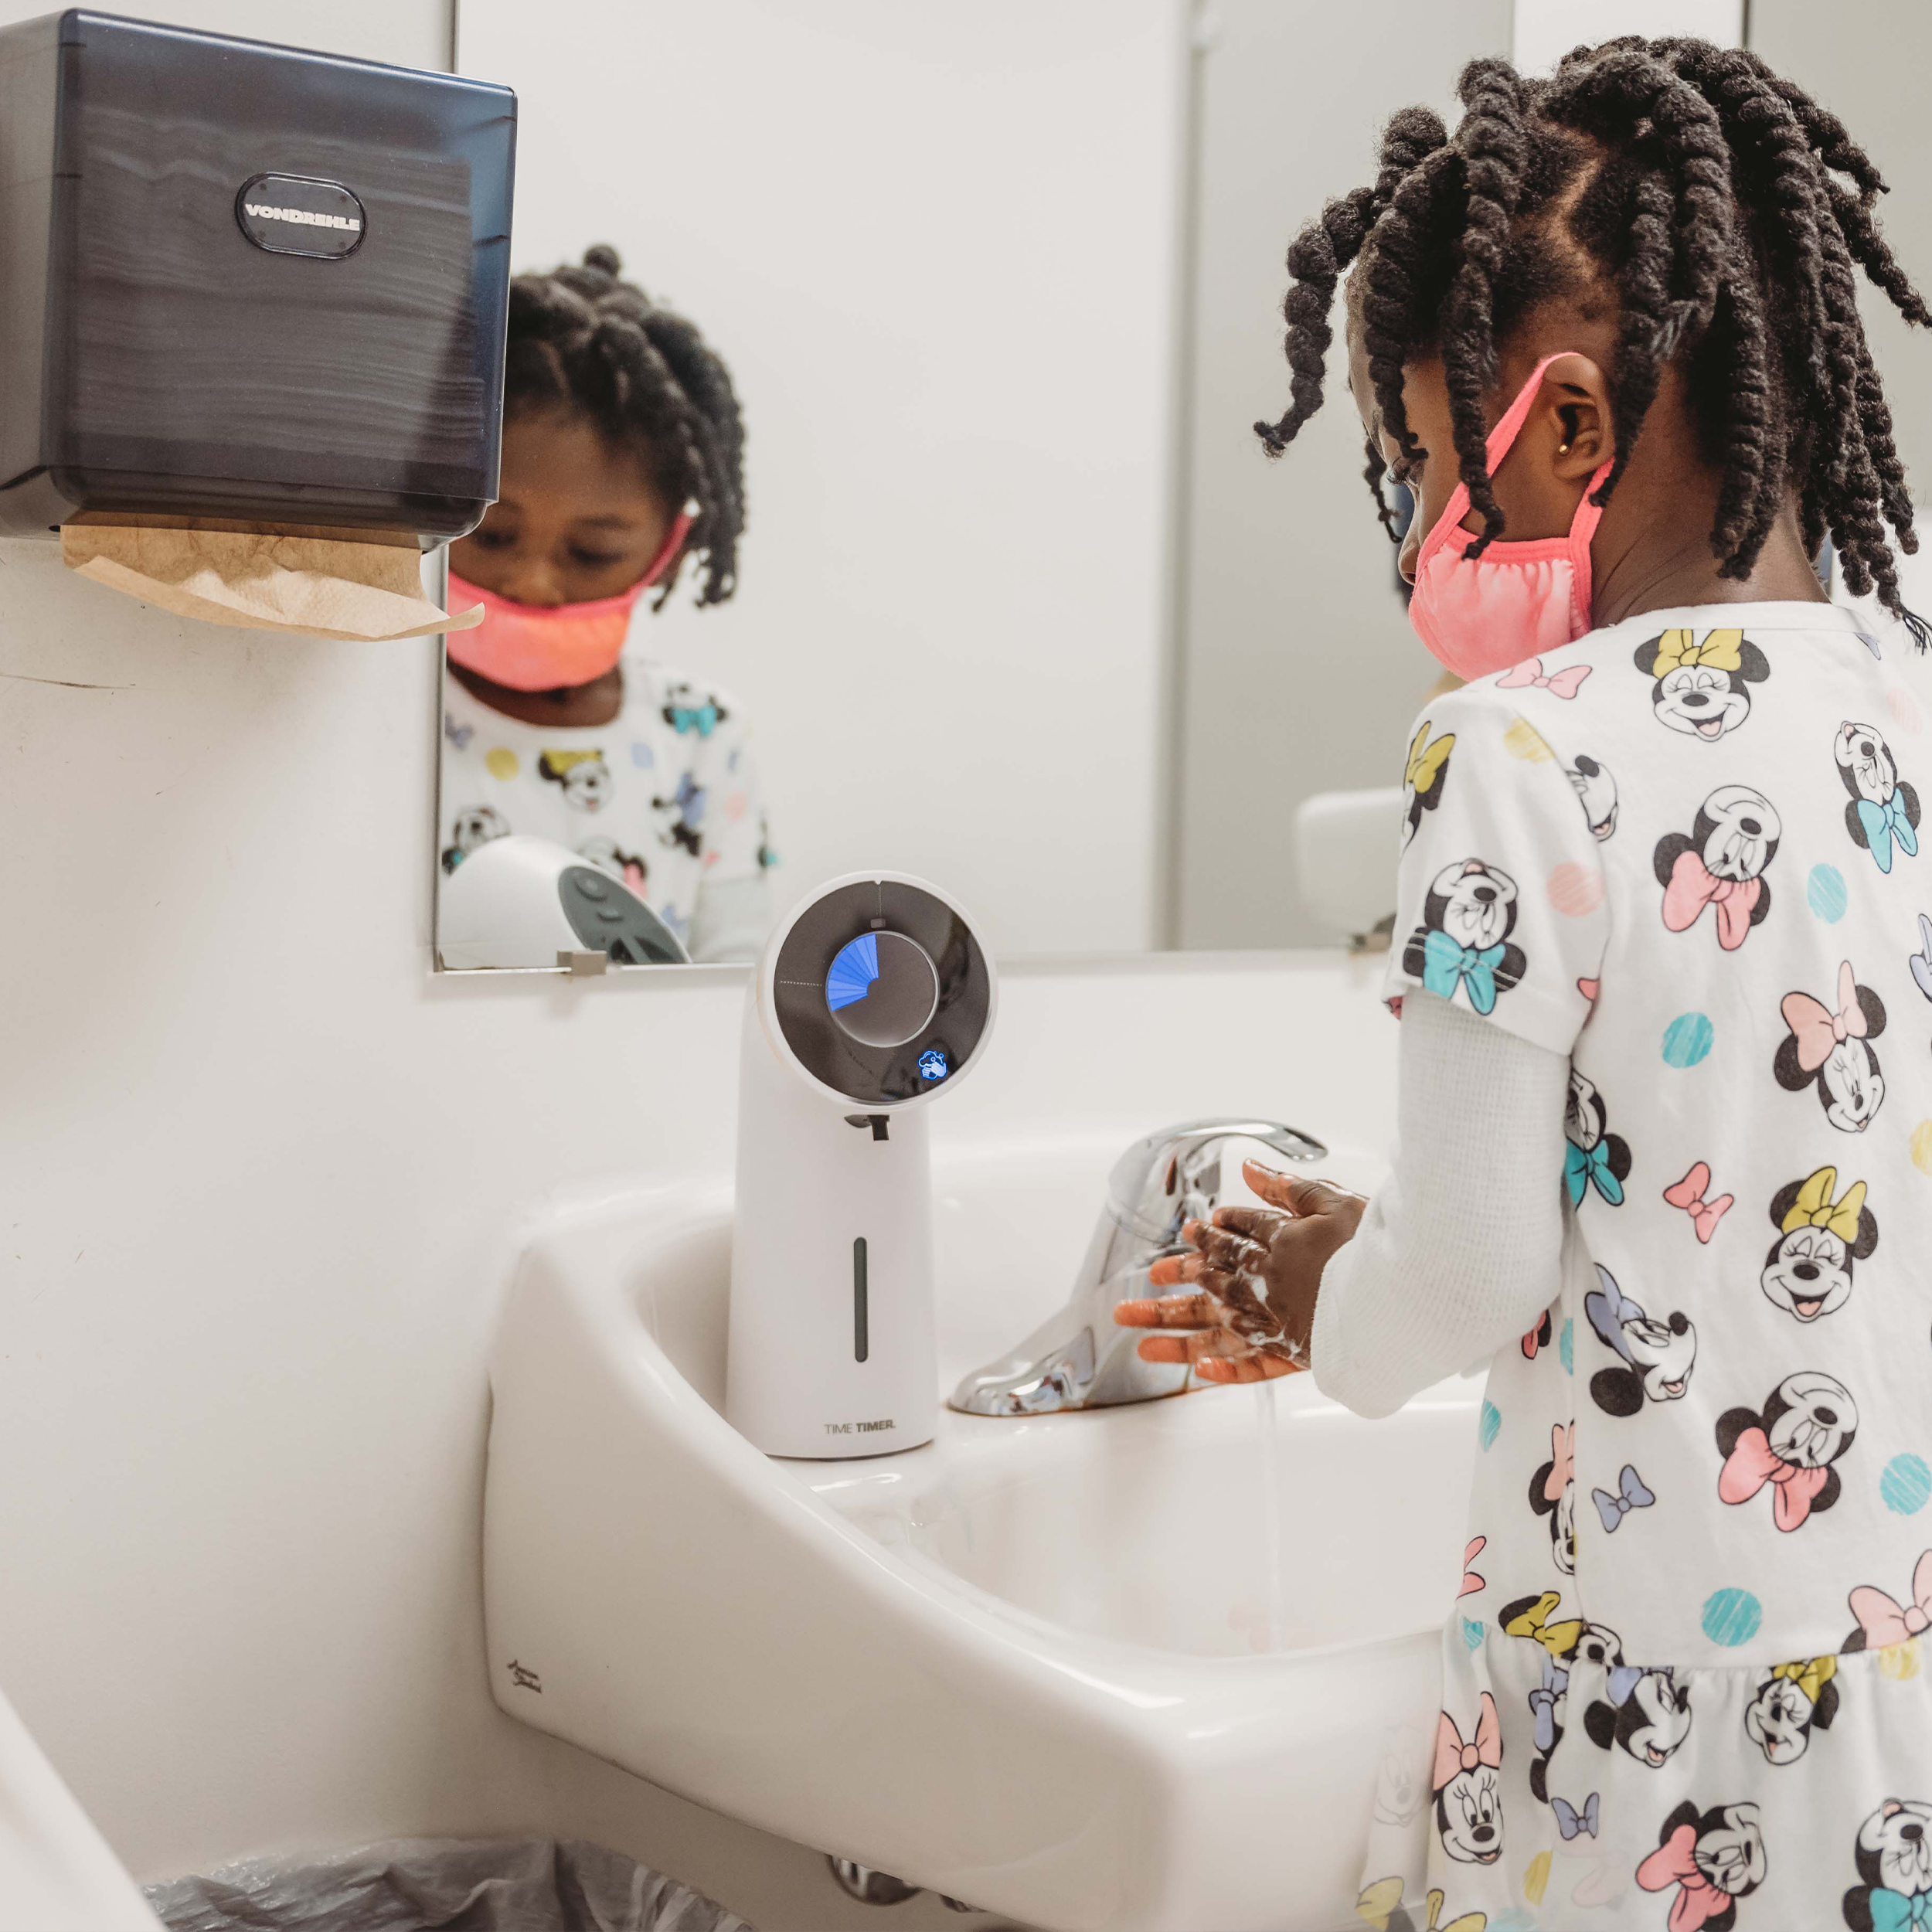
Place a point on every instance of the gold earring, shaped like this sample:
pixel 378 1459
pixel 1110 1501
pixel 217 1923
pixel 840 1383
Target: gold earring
pixel 1563 449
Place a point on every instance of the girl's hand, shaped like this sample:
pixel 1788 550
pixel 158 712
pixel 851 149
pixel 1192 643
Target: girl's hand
pixel 1255 1272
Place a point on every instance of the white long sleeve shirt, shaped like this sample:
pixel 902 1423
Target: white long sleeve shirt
pixel 1459 1252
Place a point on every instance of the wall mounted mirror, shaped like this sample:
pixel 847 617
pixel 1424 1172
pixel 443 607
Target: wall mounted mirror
pixel 1000 588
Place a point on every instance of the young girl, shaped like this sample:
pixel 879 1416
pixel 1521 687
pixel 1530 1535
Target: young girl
pixel 1663 971
pixel 622 459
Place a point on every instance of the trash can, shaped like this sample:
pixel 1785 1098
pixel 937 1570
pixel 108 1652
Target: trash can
pixel 451 1885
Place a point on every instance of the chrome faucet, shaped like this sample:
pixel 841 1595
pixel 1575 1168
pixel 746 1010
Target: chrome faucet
pixel 1080 1359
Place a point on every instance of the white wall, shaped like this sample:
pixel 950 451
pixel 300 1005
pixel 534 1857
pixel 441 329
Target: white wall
pixel 1299 671
pixel 1546 30
pixel 935 245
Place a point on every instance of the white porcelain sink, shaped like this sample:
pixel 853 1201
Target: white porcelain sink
pixel 1057 1666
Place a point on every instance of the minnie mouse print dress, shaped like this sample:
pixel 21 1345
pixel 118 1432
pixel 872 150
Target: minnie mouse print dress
pixel 1687 1684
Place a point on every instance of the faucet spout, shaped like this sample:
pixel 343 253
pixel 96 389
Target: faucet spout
pixel 1079 1359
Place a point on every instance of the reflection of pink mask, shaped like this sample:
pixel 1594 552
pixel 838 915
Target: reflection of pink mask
pixel 1516 600
pixel 550 646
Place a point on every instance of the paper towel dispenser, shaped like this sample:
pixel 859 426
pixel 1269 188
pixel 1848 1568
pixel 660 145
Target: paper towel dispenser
pixel 245 281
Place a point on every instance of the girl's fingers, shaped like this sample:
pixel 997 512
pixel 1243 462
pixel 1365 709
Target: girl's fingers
pixel 1203 1344
pixel 1171 1270
pixel 1220 1356
pixel 1168 1311
pixel 1225 1246
pixel 1257 1226
pixel 1245 1368
pixel 1214 1344
pixel 1165 1348
pixel 1296 1193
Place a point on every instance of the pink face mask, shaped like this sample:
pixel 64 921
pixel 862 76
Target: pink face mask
pixel 1516 600
pixel 550 646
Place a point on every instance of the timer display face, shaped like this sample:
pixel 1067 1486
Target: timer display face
pixel 881 989
pixel 881 992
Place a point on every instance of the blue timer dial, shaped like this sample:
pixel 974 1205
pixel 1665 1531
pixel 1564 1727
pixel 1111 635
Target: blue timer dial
pixel 854 972
pixel 881 989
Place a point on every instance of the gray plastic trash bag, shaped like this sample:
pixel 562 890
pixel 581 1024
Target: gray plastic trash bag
pixel 450 1885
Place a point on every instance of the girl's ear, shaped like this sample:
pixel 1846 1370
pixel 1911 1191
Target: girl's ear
pixel 1576 393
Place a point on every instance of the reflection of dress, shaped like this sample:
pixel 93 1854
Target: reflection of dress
pixel 663 797
pixel 1688 1681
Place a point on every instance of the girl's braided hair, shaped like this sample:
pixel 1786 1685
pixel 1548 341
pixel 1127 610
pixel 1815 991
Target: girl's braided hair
pixel 582 340
pixel 1724 213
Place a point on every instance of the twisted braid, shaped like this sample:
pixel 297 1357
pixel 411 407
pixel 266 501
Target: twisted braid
pixel 1855 488
pixel 1823 129
pixel 1873 254
pixel 1826 228
pixel 1758 453
pixel 1629 101
pixel 1728 215
pixel 1316 257
pixel 1768 152
pixel 1886 463
pixel 1836 153
pixel 582 339
pixel 1396 267
pixel 1373 469
pixel 1649 317
pixel 1494 142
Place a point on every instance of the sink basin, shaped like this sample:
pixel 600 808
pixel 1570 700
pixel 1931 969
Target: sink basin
pixel 1152 1528
pixel 1125 1670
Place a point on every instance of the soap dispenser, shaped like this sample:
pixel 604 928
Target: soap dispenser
pixel 873 999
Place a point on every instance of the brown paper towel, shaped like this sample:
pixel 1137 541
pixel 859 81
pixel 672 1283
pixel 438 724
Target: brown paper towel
pixel 308 584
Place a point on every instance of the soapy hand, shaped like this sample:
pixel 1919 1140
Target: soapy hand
pixel 1255 1272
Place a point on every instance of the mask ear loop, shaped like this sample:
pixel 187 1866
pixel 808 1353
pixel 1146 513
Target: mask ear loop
pixel 672 544
pixel 1498 445
pixel 1582 527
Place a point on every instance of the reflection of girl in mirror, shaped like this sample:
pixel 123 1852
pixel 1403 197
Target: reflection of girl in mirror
pixel 622 460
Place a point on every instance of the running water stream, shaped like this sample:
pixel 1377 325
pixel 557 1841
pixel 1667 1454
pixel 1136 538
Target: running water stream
pixel 1273 1584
